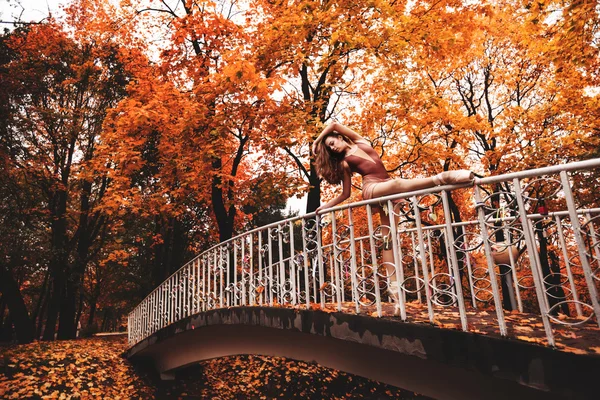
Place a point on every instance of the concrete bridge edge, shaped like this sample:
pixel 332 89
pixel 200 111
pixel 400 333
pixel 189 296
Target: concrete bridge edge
pixel 443 364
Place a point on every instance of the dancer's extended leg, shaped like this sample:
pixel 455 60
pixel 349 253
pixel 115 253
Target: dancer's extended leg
pixel 451 177
pixel 400 185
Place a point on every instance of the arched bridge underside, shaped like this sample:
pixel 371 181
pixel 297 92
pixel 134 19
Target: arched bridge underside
pixel 441 363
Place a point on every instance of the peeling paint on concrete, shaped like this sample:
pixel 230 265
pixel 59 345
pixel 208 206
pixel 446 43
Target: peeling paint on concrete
pixel 404 346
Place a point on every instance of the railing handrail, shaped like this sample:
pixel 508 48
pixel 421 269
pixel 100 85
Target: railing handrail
pixel 586 164
pixel 513 176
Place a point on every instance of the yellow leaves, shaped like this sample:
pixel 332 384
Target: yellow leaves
pixel 64 369
pixel 567 334
pixel 529 339
pixel 523 329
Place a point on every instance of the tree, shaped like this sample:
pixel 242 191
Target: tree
pixel 222 101
pixel 59 92
pixel 320 49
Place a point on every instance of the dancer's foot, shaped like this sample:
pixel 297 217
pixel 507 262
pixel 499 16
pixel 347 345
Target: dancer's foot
pixel 393 293
pixel 453 177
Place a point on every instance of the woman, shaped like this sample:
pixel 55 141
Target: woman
pixel 340 152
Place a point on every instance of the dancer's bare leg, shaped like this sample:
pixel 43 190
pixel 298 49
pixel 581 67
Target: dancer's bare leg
pixel 400 185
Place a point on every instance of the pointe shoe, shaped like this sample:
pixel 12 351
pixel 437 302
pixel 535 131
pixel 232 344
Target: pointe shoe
pixel 393 293
pixel 453 177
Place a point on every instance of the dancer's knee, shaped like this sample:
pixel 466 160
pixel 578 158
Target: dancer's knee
pixel 401 185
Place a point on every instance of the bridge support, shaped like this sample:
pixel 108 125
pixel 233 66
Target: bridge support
pixel 443 364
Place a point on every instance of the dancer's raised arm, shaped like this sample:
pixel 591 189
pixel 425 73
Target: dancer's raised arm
pixel 337 128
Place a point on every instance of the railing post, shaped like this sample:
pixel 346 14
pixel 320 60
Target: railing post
pixel 187 275
pixel 198 292
pixel 281 273
pixel 454 261
pixel 320 263
pixel 423 260
pixel 335 276
pixel 587 271
pixel 244 272
pixel 306 265
pixel 292 264
pixel 490 264
pixel 532 253
pixel 375 265
pixel 514 276
pixel 235 273
pixel 353 266
pixel 537 264
pixel 416 263
pixel 251 280
pixel 594 236
pixel 260 270
pixel 270 249
pixel 399 274
pixel 205 263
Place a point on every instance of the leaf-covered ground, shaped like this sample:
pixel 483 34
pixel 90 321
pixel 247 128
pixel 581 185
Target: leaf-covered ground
pixel 96 368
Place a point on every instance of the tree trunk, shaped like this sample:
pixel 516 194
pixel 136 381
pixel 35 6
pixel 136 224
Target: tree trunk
pixel 19 315
pixel 90 321
pixel 224 218
pixel 105 319
pixel 43 313
pixel 54 305
pixel 58 259
pixel 42 299
pixel 79 307
pixel 67 328
pixel 314 194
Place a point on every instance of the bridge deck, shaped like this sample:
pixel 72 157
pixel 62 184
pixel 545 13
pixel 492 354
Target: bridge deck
pixel 578 339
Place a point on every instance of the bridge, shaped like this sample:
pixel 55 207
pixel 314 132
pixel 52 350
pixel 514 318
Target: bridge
pixel 474 291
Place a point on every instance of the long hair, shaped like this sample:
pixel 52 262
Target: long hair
pixel 329 163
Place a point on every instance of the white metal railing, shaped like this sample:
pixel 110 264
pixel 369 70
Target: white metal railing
pixel 526 241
